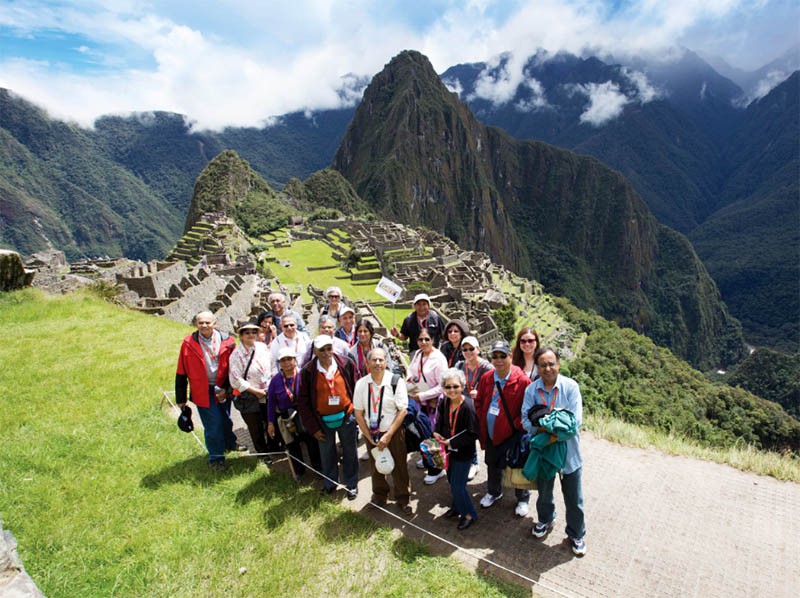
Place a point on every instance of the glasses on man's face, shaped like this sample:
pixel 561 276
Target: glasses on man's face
pixel 452 387
pixel 499 355
pixel 248 331
pixel 467 349
pixel 423 340
pixel 526 341
pixel 290 325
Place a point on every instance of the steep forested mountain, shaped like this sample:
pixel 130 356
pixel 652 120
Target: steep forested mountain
pixel 419 156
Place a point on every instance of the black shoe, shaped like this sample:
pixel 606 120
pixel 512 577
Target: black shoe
pixel 464 523
pixel 327 491
pixel 352 493
pixel 218 466
pixel 451 512
pixel 266 460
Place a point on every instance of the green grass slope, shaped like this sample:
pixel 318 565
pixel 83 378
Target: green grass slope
pixel 106 497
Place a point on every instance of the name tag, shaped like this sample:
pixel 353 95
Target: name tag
pixel 373 422
pixel 333 400
pixel 494 410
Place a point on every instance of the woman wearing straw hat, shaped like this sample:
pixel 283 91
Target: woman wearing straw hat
pixel 250 373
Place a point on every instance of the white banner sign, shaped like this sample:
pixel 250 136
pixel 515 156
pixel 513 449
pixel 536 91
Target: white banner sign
pixel 390 290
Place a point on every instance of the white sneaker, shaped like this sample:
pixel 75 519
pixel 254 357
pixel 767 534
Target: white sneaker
pixel 489 499
pixel 420 464
pixel 473 471
pixel 365 456
pixel 522 509
pixel 431 479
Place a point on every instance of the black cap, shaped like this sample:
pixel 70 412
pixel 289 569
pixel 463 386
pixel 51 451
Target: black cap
pixel 500 347
pixel 185 419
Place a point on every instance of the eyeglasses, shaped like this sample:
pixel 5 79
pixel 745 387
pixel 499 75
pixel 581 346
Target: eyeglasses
pixel 289 325
pixel 526 341
pixel 424 340
pixel 452 330
pixel 468 349
pixel 248 331
pixel 333 296
pixel 499 355
pixel 452 387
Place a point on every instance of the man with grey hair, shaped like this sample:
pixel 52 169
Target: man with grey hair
pixel 292 338
pixel 278 309
pixel 203 367
pixel 327 325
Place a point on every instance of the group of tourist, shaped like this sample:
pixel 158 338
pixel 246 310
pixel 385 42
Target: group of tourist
pixel 295 392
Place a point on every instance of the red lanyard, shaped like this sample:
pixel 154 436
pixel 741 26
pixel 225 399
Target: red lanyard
pixel 296 341
pixel 553 402
pixel 374 402
pixel 289 392
pixel 452 357
pixel 471 378
pixel 454 419
pixel 362 362
pixel 210 350
pixel 351 338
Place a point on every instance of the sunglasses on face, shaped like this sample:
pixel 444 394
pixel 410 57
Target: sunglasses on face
pixel 290 325
pixel 333 296
pixel 499 356
pixel 527 341
pixel 452 387
pixel 467 349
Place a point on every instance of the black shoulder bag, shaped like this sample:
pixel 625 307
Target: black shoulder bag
pixel 518 446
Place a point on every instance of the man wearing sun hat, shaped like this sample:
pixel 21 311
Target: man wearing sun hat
pixel 325 404
pixel 422 317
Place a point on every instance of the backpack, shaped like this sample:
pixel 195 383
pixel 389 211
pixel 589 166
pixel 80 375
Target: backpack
pixel 417 425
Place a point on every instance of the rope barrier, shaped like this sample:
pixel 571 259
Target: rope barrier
pixel 402 520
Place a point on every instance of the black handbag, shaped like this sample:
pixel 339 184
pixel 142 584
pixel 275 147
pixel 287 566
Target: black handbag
pixel 515 450
pixel 247 402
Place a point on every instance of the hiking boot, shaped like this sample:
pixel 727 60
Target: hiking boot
pixel 540 530
pixel 489 499
pixel 578 546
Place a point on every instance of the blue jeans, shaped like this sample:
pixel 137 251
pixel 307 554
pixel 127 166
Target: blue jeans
pixel 573 501
pixel 348 437
pixel 457 472
pixel 217 428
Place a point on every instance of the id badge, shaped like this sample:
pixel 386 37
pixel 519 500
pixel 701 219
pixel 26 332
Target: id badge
pixel 333 400
pixel 373 422
pixel 494 410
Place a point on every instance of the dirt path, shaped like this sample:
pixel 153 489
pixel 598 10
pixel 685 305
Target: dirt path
pixel 657 525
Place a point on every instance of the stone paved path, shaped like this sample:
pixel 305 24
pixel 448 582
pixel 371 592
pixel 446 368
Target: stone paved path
pixel 657 525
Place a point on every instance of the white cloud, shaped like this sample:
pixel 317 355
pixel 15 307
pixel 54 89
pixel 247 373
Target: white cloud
pixel 767 84
pixel 538 99
pixel 645 92
pixel 236 62
pixel 606 102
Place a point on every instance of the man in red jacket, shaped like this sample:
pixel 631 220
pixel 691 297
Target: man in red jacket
pixel 203 366
pixel 506 384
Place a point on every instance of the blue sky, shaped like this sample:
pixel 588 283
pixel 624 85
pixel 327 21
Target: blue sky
pixel 238 62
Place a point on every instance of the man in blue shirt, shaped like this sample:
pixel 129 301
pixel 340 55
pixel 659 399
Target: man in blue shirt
pixel 558 392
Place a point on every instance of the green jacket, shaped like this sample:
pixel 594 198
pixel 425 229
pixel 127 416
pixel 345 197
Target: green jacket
pixel 546 459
